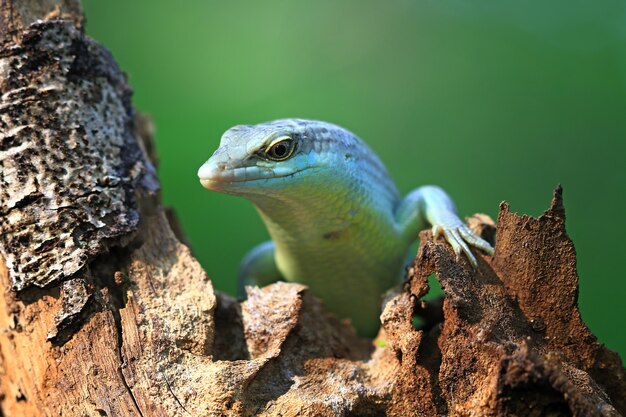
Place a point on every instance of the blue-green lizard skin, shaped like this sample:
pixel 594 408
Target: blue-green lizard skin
pixel 337 221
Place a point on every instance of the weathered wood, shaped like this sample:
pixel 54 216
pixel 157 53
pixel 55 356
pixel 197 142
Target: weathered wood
pixel 104 312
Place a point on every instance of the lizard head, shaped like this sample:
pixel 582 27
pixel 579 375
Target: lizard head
pixel 265 159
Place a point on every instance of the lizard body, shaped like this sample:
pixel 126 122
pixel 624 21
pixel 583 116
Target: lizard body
pixel 337 221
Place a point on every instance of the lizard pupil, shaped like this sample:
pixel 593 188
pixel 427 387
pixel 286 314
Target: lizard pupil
pixel 280 150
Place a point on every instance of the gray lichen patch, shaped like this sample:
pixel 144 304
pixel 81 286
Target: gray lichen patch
pixel 69 164
pixel 75 297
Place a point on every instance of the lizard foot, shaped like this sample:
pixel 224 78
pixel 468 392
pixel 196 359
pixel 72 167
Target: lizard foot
pixel 459 236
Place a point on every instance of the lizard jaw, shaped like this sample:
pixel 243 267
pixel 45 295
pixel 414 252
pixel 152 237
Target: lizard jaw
pixel 221 178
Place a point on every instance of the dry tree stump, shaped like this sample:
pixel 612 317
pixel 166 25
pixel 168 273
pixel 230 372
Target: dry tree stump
pixel 104 312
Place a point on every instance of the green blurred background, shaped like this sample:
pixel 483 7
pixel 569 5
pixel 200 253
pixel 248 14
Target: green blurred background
pixel 491 100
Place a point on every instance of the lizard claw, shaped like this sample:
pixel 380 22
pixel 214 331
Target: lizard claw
pixel 459 236
pixel 475 240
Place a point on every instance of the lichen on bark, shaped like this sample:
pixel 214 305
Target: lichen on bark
pixel 68 158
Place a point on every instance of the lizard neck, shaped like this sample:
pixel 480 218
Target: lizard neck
pixel 307 209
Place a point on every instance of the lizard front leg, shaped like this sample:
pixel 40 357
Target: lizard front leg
pixel 258 268
pixel 430 204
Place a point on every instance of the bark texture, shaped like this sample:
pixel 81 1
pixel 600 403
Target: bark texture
pixel 104 312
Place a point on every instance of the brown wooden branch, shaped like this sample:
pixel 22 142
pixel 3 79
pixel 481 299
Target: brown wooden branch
pixel 103 312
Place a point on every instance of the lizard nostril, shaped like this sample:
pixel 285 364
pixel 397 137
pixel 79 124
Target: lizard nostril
pixel 221 166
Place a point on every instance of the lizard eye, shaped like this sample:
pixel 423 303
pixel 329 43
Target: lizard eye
pixel 280 149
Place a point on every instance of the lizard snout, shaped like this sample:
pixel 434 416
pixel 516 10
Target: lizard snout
pixel 211 172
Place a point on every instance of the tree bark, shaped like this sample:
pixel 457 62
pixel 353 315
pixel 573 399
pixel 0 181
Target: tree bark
pixel 104 312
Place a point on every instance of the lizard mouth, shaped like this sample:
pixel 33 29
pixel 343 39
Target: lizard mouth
pixel 212 180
